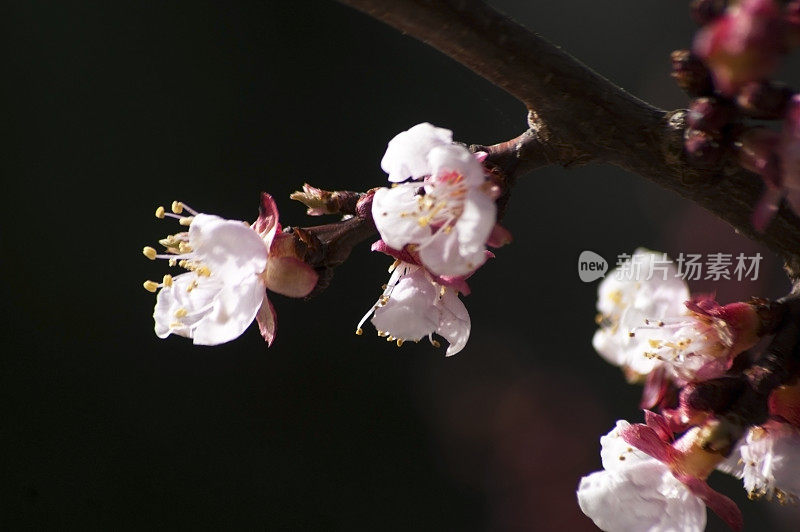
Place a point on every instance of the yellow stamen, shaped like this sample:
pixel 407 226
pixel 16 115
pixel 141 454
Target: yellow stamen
pixel 436 343
pixel 177 207
pixel 167 281
pixel 150 286
pixel 160 212
pixel 181 313
pixel 186 221
pixel 183 247
pixel 149 252
pixel 203 271
pixel 399 342
pixel 359 331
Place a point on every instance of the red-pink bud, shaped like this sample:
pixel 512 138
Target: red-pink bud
pixel 708 114
pixel 742 45
pixel 702 148
pixel 690 73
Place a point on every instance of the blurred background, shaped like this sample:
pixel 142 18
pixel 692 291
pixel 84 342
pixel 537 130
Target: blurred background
pixel 113 108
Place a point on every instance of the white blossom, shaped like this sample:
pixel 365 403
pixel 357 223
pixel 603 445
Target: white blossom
pixel 768 461
pixel 627 302
pixel 635 492
pixel 447 218
pixel 229 264
pixel 414 306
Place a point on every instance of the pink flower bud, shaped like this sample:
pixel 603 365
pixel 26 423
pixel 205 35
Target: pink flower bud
pixel 708 114
pixel 742 45
pixel 702 148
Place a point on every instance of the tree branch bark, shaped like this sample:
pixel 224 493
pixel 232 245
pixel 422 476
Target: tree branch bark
pixel 578 116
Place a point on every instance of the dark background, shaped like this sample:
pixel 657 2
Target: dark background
pixel 113 108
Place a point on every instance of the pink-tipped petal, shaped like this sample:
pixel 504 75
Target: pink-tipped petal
pixel 500 236
pixel 267 324
pixel 290 276
pixel 721 505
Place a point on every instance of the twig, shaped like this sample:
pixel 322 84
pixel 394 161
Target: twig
pixel 579 117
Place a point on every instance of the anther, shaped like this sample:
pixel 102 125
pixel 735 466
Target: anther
pixel 359 331
pixel 183 247
pixel 177 207
pixel 149 252
pixel 399 342
pixel 150 286
pixel 203 271
pixel 181 313
pixel 167 281
pixel 160 212
pixel 435 343
pixel 186 221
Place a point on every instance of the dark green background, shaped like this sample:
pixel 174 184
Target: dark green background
pixel 112 108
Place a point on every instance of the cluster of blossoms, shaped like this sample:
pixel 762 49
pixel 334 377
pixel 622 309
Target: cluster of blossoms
pixel 654 474
pixel 435 222
pixel 737 49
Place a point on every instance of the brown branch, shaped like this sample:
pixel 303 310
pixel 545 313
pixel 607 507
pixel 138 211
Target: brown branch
pixel 577 116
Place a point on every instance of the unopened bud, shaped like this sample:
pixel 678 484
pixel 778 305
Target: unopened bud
pixel 702 148
pixel 742 45
pixel 763 99
pixel 708 114
pixel 690 73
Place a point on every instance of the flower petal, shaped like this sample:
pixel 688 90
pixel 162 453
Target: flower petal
pixel 410 312
pixel 447 161
pixel 454 322
pixel 407 153
pixel 394 212
pixel 289 276
pixel 230 249
pixel 644 497
pixel 441 256
pixel 234 309
pixel 476 222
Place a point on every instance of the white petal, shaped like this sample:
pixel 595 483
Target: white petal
pixel 475 223
pixel 644 498
pixel 616 454
pixel 407 153
pixel 410 313
pixel 395 213
pixel 234 309
pixel 231 249
pixel 448 159
pixel 195 302
pixel 441 255
pixel 454 322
